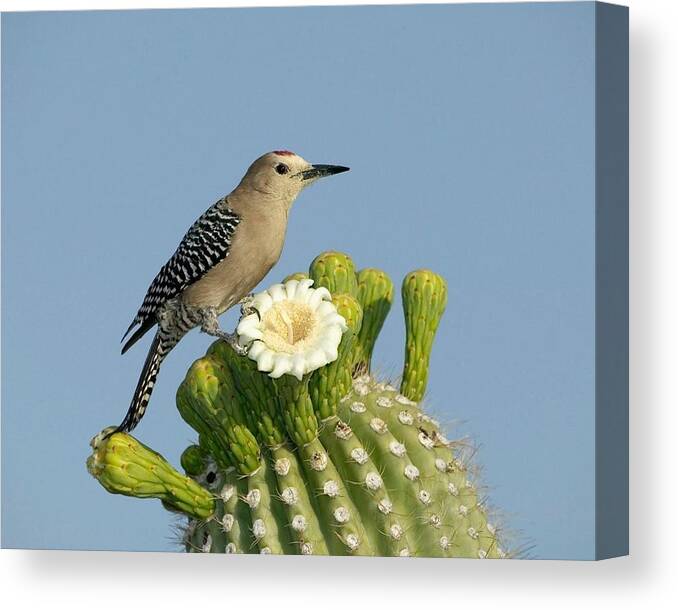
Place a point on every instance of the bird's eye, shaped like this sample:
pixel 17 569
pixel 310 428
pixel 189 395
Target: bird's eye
pixel 282 169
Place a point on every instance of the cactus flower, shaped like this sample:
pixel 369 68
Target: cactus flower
pixel 295 329
pixel 332 461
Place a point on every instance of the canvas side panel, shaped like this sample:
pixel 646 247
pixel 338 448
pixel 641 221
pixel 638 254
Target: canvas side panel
pixel 612 280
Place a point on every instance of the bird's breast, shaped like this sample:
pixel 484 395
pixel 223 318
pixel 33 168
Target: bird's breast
pixel 254 250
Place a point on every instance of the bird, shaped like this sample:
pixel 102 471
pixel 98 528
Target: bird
pixel 222 257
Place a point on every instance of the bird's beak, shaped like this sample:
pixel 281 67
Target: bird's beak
pixel 320 171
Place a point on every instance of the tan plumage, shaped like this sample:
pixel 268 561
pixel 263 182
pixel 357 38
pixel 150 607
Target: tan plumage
pixel 263 204
pixel 220 260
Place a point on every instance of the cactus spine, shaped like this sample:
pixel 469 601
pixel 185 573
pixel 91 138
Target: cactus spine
pixel 336 462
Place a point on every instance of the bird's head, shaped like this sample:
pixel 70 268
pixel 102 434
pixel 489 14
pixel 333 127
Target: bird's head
pixel 282 175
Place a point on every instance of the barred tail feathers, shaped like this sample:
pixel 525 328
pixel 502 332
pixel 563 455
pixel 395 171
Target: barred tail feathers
pixel 160 347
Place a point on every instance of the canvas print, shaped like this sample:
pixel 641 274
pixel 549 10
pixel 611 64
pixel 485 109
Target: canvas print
pixel 370 263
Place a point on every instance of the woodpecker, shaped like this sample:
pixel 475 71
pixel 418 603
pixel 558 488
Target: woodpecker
pixel 217 264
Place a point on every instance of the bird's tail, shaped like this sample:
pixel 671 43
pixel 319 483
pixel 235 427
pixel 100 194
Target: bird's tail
pixel 161 346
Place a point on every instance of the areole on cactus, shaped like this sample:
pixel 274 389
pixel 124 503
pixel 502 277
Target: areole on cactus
pixel 301 450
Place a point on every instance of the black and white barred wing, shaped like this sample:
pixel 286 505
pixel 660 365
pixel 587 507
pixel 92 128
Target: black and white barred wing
pixel 205 244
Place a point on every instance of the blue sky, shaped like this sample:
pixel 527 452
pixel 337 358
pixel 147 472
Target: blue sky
pixel 470 134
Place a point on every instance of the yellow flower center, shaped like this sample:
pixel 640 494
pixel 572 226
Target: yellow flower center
pixel 288 327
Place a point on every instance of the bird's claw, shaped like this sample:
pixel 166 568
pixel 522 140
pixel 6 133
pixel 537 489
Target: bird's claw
pixel 246 307
pixel 241 350
pixel 232 340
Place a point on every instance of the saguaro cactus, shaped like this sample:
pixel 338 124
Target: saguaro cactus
pixel 301 450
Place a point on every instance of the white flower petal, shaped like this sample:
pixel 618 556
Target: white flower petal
pixel 276 349
pixel 277 292
pixel 248 328
pixel 324 293
pixel 324 309
pixel 331 353
pixel 303 292
pixel 315 299
pixel 262 302
pixel 282 365
pixel 298 366
pixel 266 360
pixel 315 359
pixel 291 288
pixel 255 349
pixel 251 320
pixel 334 319
pixel 332 336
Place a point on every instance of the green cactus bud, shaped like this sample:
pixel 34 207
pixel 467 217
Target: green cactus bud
pixel 375 294
pixel 424 300
pixel 299 275
pixel 209 402
pixel 125 466
pixel 330 461
pixel 193 459
pixel 333 381
pixel 334 271
pixel 257 394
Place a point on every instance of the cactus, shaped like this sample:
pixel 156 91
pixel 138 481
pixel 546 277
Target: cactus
pixel 325 461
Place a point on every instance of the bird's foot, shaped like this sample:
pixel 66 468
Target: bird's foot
pixel 241 350
pixel 232 340
pixel 210 326
pixel 246 306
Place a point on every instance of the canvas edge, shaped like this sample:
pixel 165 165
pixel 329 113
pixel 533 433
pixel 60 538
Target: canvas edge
pixel 612 281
